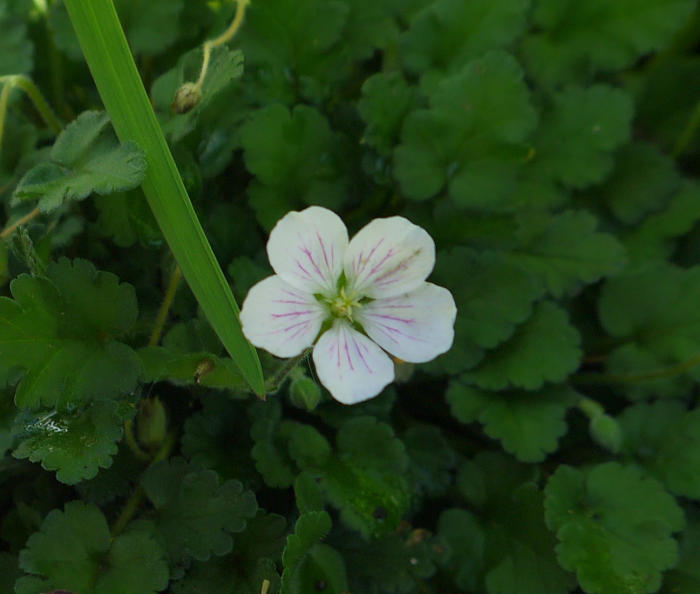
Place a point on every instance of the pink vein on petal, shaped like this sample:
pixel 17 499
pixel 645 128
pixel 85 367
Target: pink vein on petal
pixel 336 346
pixel 306 272
pixel 357 264
pixel 408 321
pixel 347 353
pixel 323 249
pixel 362 357
pixel 377 266
pixel 292 313
pixel 307 252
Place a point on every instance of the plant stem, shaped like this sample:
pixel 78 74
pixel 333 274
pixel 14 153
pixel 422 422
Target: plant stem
pixel 688 132
pixel 636 378
pixel 25 84
pixel 274 383
pixel 10 229
pixel 175 278
pixel 4 100
pixel 134 501
pixel 225 37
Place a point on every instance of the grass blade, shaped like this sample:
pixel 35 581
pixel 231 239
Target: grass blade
pixel 107 53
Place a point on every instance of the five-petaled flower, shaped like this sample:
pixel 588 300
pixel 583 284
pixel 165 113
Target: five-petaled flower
pixel 360 295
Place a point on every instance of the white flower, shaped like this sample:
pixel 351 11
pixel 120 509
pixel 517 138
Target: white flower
pixel 364 294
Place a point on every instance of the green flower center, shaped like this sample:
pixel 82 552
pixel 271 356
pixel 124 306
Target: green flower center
pixel 342 305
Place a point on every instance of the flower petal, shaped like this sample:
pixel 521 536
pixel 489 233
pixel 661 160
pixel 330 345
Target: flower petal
pixel 281 319
pixel 415 327
pixel 389 257
pixel 350 365
pixel 306 249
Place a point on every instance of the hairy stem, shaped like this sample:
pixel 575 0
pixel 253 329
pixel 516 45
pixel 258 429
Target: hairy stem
pixel 225 37
pixel 274 383
pixel 10 229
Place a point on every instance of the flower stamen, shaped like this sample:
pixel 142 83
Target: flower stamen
pixel 343 304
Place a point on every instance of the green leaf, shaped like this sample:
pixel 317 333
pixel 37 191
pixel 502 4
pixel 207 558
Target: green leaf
pixel 466 141
pixel 191 354
pixel 291 47
pixel 8 412
pixel 505 546
pixel 495 295
pixel 223 576
pixel 449 33
pixel 258 549
pixel 280 443
pixel 385 102
pixel 668 96
pixel 652 314
pixel 296 155
pixel 520 550
pixel 371 491
pixel 360 439
pixel 76 445
pixel 431 460
pixel 465 538
pixel 614 525
pixel 264 537
pixel 641 184
pixel 270 451
pixel 85 158
pixel 307 446
pixel 61 331
pixel 528 424
pixel 565 251
pixel 577 138
pixel 685 577
pixel 151 27
pixel 664 438
pixel 307 562
pixel 308 494
pixel 74 551
pixel 217 437
pixel 114 482
pixel 9 572
pixel 370 25
pixel 654 238
pixel 247 272
pixel 126 218
pixel 574 40
pixel 16 49
pixel 398 563
pixel 196 515
pixel 546 348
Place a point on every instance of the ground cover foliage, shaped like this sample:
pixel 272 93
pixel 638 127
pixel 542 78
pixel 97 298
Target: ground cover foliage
pixel 548 148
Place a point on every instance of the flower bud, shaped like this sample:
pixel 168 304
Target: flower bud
pixel 151 423
pixel 186 97
pixel 605 431
pixel 305 393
